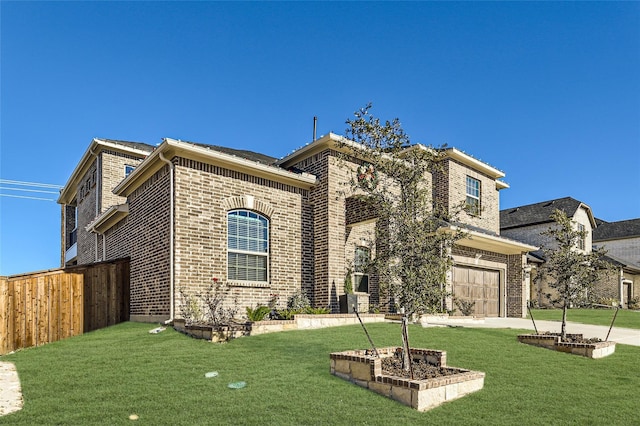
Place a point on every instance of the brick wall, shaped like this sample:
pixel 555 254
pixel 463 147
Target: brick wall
pixel 113 165
pixel 450 190
pixel 329 224
pixel 204 196
pixel 144 237
pixel 86 199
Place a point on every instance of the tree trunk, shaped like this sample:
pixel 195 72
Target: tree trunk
pixel 406 354
pixel 563 330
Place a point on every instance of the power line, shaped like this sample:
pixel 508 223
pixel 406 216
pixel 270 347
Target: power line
pixel 36 184
pixel 27 187
pixel 29 190
pixel 29 198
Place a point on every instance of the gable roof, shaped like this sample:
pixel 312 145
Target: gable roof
pixel 617 230
pixel 258 165
pixel 138 149
pixel 534 214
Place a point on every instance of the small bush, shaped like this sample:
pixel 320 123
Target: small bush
pixel 259 313
pixel 634 303
pixel 298 301
pixel 608 301
pixel 465 306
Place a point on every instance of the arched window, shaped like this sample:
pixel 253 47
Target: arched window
pixel 248 246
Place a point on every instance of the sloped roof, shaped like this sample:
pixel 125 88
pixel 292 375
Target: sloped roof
pixel 133 145
pixel 534 214
pixel 615 230
pixel 256 165
pixel 241 153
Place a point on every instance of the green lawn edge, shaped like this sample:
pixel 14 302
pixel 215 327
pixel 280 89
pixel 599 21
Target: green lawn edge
pixel 104 376
pixel 625 318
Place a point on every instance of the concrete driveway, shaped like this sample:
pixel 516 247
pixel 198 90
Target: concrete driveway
pixel 625 336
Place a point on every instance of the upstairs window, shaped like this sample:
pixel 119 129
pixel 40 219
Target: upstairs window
pixel 583 236
pixel 473 196
pixel 360 269
pixel 248 246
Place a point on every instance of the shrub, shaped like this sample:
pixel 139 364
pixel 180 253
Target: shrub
pixel 465 306
pixel 634 303
pixel 259 313
pixel 218 312
pixel 190 308
pixel 608 301
pixel 298 301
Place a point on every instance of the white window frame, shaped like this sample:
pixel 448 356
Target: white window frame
pixel 582 242
pixel 250 244
pixel 128 169
pixel 473 191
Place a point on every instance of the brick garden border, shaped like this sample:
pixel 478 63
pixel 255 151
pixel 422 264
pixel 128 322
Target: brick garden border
pixel 552 341
pixel 364 369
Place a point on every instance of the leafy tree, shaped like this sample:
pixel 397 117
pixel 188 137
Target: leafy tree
pixel 413 232
pixel 568 270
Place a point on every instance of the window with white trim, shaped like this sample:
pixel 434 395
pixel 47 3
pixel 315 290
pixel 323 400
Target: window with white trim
pixel 583 236
pixel 361 269
pixel 472 201
pixel 248 246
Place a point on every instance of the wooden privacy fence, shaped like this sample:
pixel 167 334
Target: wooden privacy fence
pixel 48 306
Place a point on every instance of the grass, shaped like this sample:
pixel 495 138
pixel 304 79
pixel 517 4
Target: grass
pixel 104 376
pixel 624 319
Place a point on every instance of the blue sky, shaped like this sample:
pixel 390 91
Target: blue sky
pixel 547 92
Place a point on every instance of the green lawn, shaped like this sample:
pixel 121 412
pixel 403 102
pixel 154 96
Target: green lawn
pixel 625 317
pixel 104 376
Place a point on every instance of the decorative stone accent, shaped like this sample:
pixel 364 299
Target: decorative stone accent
pixel 364 369
pixel 551 341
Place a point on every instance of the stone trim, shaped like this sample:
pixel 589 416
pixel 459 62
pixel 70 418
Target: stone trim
pixel 248 202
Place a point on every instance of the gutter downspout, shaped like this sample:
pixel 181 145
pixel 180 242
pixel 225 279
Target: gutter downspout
pixel 171 248
pixel 98 179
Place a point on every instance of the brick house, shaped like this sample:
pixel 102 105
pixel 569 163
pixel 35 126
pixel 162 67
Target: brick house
pixel 527 223
pixel 187 213
pixel 621 239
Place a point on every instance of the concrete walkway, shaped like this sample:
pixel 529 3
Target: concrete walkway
pixel 625 336
pixel 10 392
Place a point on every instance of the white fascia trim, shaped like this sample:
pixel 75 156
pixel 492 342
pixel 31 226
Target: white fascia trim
pixel 113 211
pixel 474 162
pixel 501 185
pixel 121 147
pixel 488 242
pixel 171 147
pixel 243 162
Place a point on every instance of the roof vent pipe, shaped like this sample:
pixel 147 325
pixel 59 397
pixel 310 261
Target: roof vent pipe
pixel 315 126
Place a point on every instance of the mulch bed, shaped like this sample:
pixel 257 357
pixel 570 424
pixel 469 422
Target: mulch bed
pixel 574 339
pixel 392 366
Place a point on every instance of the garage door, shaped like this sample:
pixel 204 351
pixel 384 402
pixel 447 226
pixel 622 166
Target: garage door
pixel 479 285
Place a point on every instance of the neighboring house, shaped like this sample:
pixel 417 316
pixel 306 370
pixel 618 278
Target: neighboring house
pixel 527 223
pixel 188 213
pixel 622 241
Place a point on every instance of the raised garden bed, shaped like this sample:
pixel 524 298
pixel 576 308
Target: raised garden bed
pixel 299 322
pixel 442 383
pixel 214 333
pixel 576 344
